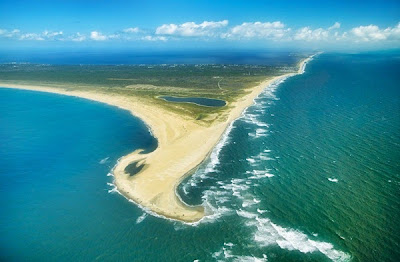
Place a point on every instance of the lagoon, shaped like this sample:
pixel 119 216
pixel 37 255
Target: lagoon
pixel 201 101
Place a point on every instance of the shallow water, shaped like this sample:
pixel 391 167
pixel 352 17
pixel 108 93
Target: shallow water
pixel 309 173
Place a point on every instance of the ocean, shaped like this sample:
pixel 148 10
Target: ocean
pixel 310 172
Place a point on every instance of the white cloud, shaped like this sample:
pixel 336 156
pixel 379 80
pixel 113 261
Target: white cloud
pixel 97 36
pixel 31 36
pixel 192 29
pixel 307 34
pixel 154 38
pixel 131 30
pixel 45 35
pixel 78 37
pixel 336 25
pixel 9 34
pixel 374 33
pixel 51 35
pixel 268 30
pixel 276 31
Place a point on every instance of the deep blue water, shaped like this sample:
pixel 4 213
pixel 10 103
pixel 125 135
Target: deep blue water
pixel 312 171
pixel 196 100
pixel 309 173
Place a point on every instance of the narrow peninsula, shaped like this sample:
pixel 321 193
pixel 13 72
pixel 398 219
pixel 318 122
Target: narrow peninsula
pixel 186 133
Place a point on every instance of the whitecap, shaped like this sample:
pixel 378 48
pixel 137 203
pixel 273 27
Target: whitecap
pixel 141 218
pixel 251 160
pixel 255 200
pixel 246 214
pixel 269 233
pixel 258 174
pixel 226 254
pixel 103 161
pixel 261 211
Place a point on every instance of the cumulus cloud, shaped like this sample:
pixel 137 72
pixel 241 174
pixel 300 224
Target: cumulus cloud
pixel 78 37
pixel 45 35
pixel 31 36
pixel 131 30
pixel 336 25
pixel 154 38
pixel 307 34
pixel 268 30
pixel 275 31
pixel 374 33
pixel 320 34
pixel 97 36
pixel 51 35
pixel 9 34
pixel 207 28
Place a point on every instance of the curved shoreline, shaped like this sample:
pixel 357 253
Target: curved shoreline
pixel 183 144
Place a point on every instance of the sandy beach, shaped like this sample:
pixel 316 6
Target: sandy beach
pixel 183 144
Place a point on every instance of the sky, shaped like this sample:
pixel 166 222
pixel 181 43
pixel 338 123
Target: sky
pixel 117 24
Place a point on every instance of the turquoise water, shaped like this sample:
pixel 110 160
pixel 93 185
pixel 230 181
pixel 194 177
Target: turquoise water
pixel 195 100
pixel 309 173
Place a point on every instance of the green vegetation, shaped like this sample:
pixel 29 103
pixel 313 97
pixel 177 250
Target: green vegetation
pixel 226 82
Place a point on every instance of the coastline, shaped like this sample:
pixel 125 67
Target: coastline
pixel 183 145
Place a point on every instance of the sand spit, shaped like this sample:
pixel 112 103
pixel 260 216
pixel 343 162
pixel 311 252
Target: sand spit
pixel 183 144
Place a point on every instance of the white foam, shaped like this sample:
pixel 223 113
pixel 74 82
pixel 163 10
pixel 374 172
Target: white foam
pixel 252 119
pixel 247 203
pixel 215 214
pixel 251 160
pixel 104 160
pixel 214 156
pixel 259 174
pixel 246 214
pixel 264 156
pixel 335 180
pixel 259 132
pixel 141 218
pixel 113 189
pixel 213 161
pixel 255 200
pixel 269 233
pixel 261 211
pixel 234 187
pixel 226 254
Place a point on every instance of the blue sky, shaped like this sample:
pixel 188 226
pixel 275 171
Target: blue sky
pixel 203 23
